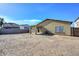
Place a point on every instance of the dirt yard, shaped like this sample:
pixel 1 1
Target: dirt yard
pixel 38 45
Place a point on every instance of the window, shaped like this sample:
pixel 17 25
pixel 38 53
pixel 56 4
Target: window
pixel 21 27
pixel 77 23
pixel 7 27
pixel 59 29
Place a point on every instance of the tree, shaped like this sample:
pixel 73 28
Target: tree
pixel 1 21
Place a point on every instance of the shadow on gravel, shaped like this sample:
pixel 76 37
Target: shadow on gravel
pixel 46 34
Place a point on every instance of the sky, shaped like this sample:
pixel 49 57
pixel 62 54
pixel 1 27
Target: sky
pixel 33 13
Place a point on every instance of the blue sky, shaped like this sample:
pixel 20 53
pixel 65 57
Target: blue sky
pixel 33 13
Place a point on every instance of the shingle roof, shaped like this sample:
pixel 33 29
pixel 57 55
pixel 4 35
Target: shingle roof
pixel 76 19
pixel 10 25
pixel 55 20
pixel 25 25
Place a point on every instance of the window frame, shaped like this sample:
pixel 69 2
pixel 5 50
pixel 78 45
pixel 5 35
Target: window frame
pixel 59 28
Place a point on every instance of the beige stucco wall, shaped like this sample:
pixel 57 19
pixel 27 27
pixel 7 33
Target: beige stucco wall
pixel 51 27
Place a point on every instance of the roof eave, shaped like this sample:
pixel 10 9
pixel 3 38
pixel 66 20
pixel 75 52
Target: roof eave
pixel 55 20
pixel 76 19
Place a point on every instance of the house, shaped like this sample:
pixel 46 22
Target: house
pixel 10 28
pixel 24 28
pixel 76 23
pixel 52 26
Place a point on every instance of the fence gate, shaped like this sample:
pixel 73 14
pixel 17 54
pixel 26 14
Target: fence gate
pixel 75 31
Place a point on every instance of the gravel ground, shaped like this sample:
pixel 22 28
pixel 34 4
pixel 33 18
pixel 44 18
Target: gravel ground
pixel 38 45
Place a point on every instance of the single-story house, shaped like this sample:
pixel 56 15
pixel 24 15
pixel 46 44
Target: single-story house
pixel 10 28
pixel 24 28
pixel 53 26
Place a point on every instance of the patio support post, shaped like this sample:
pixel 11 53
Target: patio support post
pixel 35 30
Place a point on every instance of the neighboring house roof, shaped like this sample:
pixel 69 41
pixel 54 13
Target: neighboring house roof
pixel 76 19
pixel 10 25
pixel 25 25
pixel 54 20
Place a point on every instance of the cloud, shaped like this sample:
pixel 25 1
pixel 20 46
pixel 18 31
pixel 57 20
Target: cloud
pixel 23 21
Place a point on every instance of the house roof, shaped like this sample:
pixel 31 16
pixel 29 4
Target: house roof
pixel 25 25
pixel 76 19
pixel 10 25
pixel 55 20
